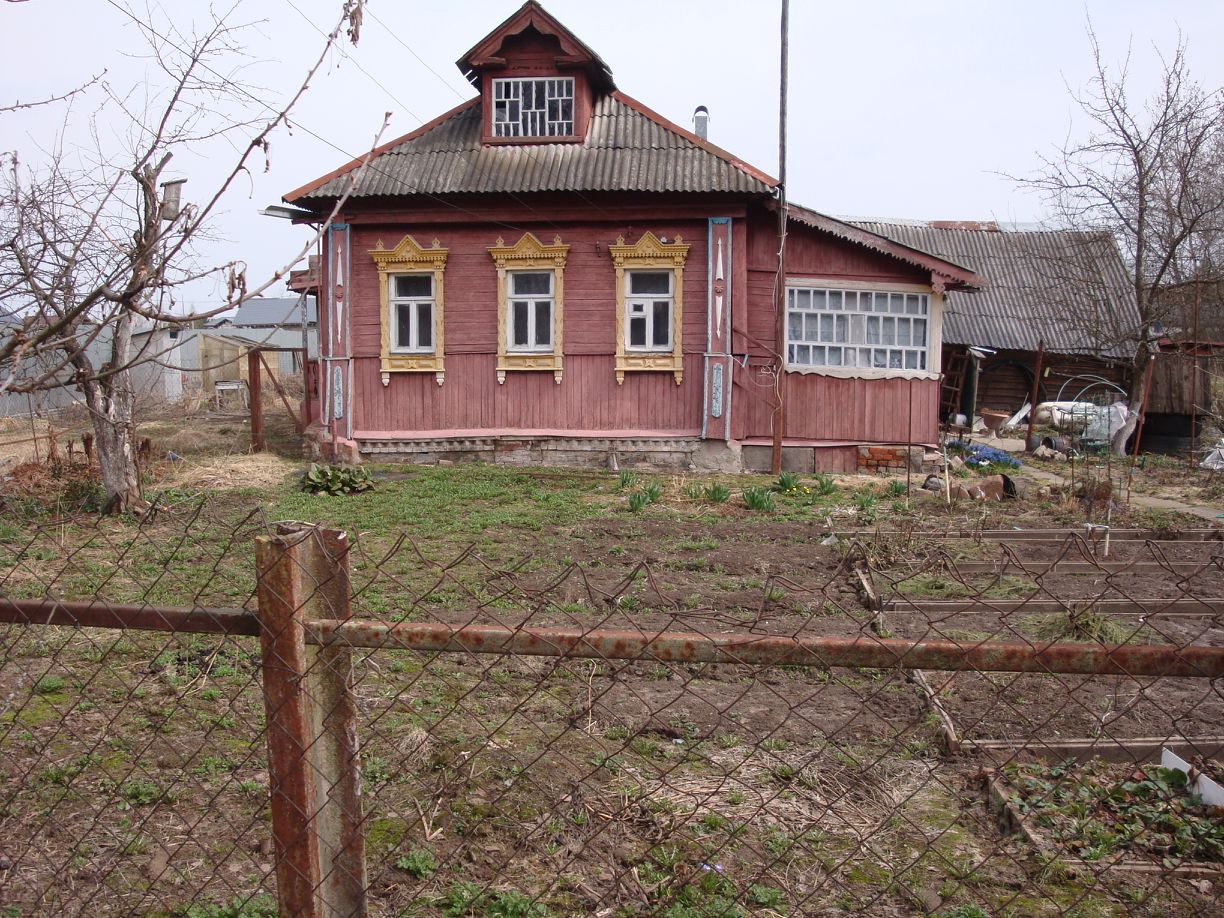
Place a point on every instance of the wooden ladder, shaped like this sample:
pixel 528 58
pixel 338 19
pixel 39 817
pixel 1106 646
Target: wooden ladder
pixel 953 383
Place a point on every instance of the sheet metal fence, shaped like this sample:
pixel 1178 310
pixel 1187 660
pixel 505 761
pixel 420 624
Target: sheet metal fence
pixel 932 726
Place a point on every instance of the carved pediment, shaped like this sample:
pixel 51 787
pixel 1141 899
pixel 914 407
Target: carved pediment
pixel 529 252
pixel 649 249
pixel 408 254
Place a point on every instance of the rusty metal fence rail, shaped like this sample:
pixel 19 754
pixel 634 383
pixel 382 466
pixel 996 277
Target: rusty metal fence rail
pixel 994 729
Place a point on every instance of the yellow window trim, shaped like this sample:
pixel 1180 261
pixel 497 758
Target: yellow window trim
pixel 650 252
pixel 526 254
pixel 406 258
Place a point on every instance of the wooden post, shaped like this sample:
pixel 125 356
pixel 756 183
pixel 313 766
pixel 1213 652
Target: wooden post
pixel 255 390
pixel 306 396
pixel 313 764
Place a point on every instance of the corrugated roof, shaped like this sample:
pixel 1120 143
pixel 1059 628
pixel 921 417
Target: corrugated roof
pixel 269 312
pixel 1064 287
pixel 956 275
pixel 625 150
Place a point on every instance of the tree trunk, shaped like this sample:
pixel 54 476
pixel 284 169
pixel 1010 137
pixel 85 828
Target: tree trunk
pixel 109 400
pixel 1138 391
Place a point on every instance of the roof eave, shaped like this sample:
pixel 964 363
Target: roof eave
pixel 951 275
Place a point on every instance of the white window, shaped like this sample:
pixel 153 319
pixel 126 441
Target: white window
pixel 411 299
pixel 531 305
pixel 648 311
pixel 533 107
pixel 856 328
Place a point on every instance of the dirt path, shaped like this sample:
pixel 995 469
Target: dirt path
pixel 1211 514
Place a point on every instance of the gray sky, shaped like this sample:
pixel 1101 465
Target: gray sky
pixel 899 108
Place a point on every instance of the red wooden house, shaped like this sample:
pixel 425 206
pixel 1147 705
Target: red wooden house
pixel 552 272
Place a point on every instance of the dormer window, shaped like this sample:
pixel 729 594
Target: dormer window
pixel 533 107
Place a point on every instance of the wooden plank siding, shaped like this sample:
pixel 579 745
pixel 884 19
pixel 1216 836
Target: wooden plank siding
pixel 588 397
pixel 822 408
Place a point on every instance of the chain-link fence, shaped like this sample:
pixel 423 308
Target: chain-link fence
pixel 979 723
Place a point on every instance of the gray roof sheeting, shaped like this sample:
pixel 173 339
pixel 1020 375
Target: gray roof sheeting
pixel 272 311
pixel 625 150
pixel 1064 287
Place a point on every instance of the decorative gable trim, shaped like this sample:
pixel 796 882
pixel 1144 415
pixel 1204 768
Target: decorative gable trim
pixel 574 52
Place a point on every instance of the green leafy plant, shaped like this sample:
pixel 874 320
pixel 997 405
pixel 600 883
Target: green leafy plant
pixel 653 492
pixel 896 488
pixel 759 499
pixel 716 494
pixel 692 490
pixel 419 863
pixel 256 906
pixel 628 479
pixel 139 792
pixel 50 685
pixel 638 500
pixel 824 485
pixel 787 481
pixel 336 479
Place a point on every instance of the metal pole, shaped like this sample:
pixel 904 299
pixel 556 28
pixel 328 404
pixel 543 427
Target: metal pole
pixel 762 650
pixel 780 291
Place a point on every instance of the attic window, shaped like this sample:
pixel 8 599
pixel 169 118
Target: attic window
pixel 533 107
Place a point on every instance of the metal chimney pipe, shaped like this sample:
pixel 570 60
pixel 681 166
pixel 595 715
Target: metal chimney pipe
pixel 701 122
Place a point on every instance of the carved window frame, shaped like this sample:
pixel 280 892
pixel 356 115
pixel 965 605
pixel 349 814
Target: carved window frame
pixel 650 253
pixel 410 258
pixel 530 254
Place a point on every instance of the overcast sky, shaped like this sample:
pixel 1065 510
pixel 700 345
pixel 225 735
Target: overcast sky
pixel 898 108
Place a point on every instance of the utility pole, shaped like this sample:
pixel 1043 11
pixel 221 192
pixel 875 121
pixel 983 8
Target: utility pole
pixel 780 282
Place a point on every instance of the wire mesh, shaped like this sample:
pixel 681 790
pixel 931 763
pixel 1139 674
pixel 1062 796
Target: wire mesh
pixel 135 778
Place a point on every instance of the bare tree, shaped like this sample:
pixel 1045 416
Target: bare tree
pixel 1150 174
pixel 94 238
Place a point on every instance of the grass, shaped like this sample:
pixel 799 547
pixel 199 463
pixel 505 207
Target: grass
pixel 1080 626
pixel 946 586
pixel 529 763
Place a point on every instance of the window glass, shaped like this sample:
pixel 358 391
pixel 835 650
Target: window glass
pixel 662 324
pixel 533 107
pixel 543 324
pixel 650 282
pixel 891 336
pixel 413 285
pixel 520 331
pixel 637 331
pixel 526 283
pixel 403 325
pixel 424 325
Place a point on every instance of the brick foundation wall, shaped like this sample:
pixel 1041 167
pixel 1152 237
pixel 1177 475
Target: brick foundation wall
pixel 886 458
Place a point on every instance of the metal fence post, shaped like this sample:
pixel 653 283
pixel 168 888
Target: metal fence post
pixel 313 764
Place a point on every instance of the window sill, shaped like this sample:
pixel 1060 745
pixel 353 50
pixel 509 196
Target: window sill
pixel 416 362
pixel 519 361
pixel 649 362
pixel 860 372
